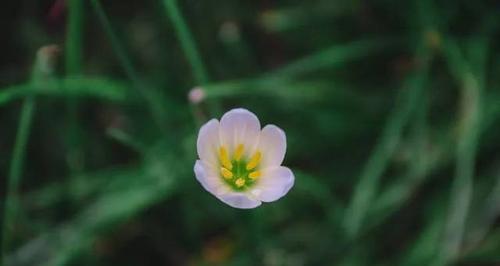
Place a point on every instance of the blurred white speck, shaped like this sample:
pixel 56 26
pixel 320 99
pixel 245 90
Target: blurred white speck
pixel 196 95
pixel 46 59
pixel 229 32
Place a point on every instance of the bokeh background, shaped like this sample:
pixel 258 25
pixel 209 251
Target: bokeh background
pixel 391 110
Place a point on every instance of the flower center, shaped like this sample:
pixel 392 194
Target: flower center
pixel 239 172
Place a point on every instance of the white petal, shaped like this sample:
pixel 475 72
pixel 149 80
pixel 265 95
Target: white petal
pixel 239 200
pixel 274 183
pixel 208 177
pixel 239 126
pixel 209 142
pixel 272 145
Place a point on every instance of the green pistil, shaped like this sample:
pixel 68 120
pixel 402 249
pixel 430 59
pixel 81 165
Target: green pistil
pixel 240 173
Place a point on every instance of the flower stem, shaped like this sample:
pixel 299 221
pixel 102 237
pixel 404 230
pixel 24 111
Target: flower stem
pixel 193 56
pixel 187 41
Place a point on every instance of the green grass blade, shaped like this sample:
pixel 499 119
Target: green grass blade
pixel 424 248
pixel 367 186
pixel 15 172
pixel 125 139
pixel 101 88
pixel 42 70
pixel 392 198
pixel 14 92
pixel 74 39
pixel 123 194
pixel 73 54
pixel 119 50
pixel 485 219
pixel 335 55
pixel 469 126
pixel 154 104
pixel 187 41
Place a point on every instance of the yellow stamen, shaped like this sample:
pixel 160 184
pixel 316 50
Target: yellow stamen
pixel 254 161
pixel 224 158
pixel 254 175
pixel 238 152
pixel 226 173
pixel 240 182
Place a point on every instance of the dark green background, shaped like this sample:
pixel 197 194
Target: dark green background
pixel 391 111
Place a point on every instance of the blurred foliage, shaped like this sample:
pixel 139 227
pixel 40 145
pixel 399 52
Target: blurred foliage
pixel 391 111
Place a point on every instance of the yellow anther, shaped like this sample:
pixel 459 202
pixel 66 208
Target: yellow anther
pixel 238 152
pixel 254 161
pixel 226 173
pixel 254 175
pixel 240 182
pixel 224 158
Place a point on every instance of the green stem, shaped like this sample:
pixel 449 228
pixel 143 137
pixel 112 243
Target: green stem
pixel 73 45
pixel 187 41
pixel 15 172
pixel 73 57
pixel 193 56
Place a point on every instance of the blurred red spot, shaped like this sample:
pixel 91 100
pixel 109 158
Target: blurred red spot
pixel 57 10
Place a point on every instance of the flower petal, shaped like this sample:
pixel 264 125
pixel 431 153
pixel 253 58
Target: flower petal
pixel 209 142
pixel 207 175
pixel 239 126
pixel 272 144
pixel 239 200
pixel 274 183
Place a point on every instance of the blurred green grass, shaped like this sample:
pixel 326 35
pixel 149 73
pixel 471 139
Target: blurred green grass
pixel 390 110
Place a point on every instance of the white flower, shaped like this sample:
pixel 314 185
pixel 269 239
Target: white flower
pixel 239 163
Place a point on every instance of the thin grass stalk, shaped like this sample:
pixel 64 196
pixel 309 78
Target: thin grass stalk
pixel 187 41
pixel 467 144
pixel 125 61
pixel 73 54
pixel 16 171
pixel 365 190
